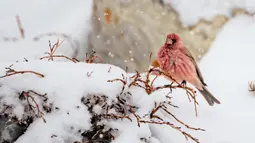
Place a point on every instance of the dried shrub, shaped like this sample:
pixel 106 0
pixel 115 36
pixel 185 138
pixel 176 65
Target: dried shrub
pixel 51 54
pixel 92 58
pixel 124 110
pixel 10 71
pixel 74 44
pixel 32 103
pixel 147 85
pixel 120 109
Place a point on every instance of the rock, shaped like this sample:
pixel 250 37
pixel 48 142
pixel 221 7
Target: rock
pixel 10 129
pixel 125 32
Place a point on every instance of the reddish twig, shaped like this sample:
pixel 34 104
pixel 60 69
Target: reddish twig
pixel 186 135
pixel 11 72
pixel 189 91
pixel 21 29
pixel 52 50
pixel 136 116
pixel 152 114
pixel 181 122
pixel 175 84
pixel 136 77
pixel 28 97
pixel 41 95
pixel 169 102
pixel 92 58
pixel 51 53
pixel 162 122
pixel 123 80
pixel 153 80
pixel 59 56
pixel 74 44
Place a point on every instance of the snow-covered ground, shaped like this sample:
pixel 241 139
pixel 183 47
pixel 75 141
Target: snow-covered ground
pixel 191 11
pixel 227 69
pixel 39 18
pixel 65 84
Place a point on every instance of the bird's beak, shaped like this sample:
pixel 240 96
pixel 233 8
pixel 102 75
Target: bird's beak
pixel 169 41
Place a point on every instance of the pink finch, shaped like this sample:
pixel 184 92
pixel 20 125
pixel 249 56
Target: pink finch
pixel 178 62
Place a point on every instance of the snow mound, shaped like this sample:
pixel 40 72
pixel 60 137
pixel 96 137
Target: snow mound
pixel 61 90
pixel 67 102
pixel 63 20
pixel 227 70
pixel 191 11
pixel 228 67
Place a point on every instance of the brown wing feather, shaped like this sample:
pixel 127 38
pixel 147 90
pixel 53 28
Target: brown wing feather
pixel 199 74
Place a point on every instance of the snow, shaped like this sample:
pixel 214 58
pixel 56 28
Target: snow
pixel 71 18
pixel 64 87
pixel 29 49
pixel 65 84
pixel 191 11
pixel 227 69
pixel 236 41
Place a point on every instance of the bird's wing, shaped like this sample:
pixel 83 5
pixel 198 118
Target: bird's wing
pixel 199 74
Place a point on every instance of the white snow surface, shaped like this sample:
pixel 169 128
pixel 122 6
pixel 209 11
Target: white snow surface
pixel 192 10
pixel 228 75
pixel 227 69
pixel 65 84
pixel 39 18
pixel 64 87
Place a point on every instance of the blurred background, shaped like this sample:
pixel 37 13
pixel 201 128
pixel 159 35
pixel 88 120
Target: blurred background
pixel 122 32
pixel 125 32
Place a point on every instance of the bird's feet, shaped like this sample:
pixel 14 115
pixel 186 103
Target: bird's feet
pixel 184 83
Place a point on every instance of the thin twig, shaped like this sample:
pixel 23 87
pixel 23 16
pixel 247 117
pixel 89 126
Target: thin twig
pixel 123 80
pixel 186 135
pixel 189 91
pixel 189 127
pixel 118 116
pixel 60 56
pixel 11 72
pixel 92 58
pixel 27 95
pixel 21 29
pixel 136 116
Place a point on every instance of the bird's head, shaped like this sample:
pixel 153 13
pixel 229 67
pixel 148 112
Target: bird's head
pixel 172 40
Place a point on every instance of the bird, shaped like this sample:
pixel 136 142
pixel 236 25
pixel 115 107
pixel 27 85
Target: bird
pixel 176 60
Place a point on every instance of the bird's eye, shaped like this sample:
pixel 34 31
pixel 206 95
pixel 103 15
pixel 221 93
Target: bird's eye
pixel 173 41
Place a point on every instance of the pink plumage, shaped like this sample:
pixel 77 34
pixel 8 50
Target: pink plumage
pixel 177 61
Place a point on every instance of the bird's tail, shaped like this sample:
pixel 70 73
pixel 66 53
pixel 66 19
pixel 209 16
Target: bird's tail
pixel 208 96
